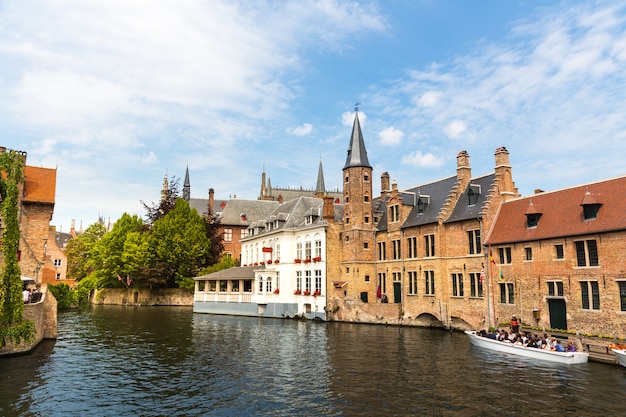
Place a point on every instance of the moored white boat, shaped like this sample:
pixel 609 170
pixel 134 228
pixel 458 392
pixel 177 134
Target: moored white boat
pixel 529 352
pixel 620 353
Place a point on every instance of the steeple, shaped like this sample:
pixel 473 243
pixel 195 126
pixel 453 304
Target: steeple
pixel 164 190
pixel 320 188
pixel 186 186
pixel 357 155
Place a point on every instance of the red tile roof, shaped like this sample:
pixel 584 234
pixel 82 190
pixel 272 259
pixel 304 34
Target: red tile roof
pixel 561 213
pixel 39 184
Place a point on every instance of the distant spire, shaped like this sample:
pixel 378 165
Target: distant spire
pixel 164 190
pixel 357 155
pixel 320 188
pixel 187 186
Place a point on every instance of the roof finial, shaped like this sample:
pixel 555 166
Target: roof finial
pixel 356 106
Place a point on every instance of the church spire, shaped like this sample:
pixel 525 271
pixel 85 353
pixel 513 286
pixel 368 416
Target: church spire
pixel 320 188
pixel 187 186
pixel 357 155
pixel 165 189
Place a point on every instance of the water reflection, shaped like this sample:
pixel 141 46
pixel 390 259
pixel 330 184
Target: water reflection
pixel 168 361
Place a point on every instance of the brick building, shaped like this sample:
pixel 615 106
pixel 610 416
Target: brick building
pixel 35 208
pixel 560 258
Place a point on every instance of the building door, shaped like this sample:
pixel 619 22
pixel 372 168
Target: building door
pixel 397 293
pixel 558 318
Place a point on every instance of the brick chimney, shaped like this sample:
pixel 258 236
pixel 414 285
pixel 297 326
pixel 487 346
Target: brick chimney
pixel 504 175
pixel 329 208
pixel 211 201
pixel 384 185
pixel 463 168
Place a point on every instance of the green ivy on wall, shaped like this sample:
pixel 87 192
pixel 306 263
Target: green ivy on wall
pixel 12 306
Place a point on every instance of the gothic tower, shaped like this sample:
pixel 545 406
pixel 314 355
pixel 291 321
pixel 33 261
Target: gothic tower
pixel 358 238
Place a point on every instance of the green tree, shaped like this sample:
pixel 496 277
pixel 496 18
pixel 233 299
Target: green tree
pixel 156 211
pixel 79 251
pixel 181 247
pixel 108 253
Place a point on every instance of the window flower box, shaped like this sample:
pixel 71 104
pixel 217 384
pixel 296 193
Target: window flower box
pixel 256 264
pixel 277 261
pixel 306 292
pixel 261 263
pixel 269 262
pixel 297 260
pixel 297 292
pixel 277 291
pixel 316 293
pixel 307 260
pixel 317 259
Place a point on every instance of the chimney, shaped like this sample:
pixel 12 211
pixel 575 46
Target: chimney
pixel 463 169
pixel 504 175
pixel 211 201
pixel 329 208
pixel 384 185
pixel 72 230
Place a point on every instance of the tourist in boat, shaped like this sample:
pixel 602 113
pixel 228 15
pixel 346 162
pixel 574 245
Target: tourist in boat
pixel 558 347
pixel 532 342
pixel 571 346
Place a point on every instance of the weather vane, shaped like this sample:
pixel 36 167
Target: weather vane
pixel 356 106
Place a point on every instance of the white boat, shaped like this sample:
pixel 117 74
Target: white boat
pixel 529 352
pixel 620 353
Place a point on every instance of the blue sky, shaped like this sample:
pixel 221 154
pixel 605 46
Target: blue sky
pixel 116 94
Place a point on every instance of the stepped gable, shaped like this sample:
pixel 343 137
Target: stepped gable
pixel 434 195
pixel 561 213
pixel 463 210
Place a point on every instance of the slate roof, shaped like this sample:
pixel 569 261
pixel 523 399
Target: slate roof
pixel 561 213
pixel 239 272
pixel 293 214
pixel 254 210
pixel 438 192
pixel 357 155
pixel 39 184
pixel 463 211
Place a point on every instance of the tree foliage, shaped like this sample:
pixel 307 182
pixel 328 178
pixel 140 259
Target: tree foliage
pixel 156 211
pixel 79 251
pixel 181 247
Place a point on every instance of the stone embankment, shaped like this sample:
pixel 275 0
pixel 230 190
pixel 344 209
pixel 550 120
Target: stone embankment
pixel 44 315
pixel 142 297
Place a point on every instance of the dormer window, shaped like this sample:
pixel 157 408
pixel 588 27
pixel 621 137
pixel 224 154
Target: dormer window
pixel 422 203
pixel 473 193
pixel 242 216
pixel 394 213
pixel 532 216
pixel 591 206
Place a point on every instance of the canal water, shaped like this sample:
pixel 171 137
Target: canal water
pixel 167 361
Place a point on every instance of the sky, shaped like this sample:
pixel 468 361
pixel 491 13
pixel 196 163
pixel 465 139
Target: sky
pixel 116 94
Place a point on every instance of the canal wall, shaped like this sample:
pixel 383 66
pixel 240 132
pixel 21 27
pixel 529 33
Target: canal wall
pixel 142 296
pixel 44 315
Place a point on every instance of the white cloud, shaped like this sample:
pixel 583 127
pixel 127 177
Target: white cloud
pixel 420 160
pixel 429 98
pixel 455 129
pixel 390 136
pixel 303 130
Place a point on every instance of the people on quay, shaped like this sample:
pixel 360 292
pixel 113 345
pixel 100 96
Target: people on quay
pixel 514 324
pixel 26 295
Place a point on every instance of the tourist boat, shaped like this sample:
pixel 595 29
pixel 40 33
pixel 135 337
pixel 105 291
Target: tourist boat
pixel 620 353
pixel 534 353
